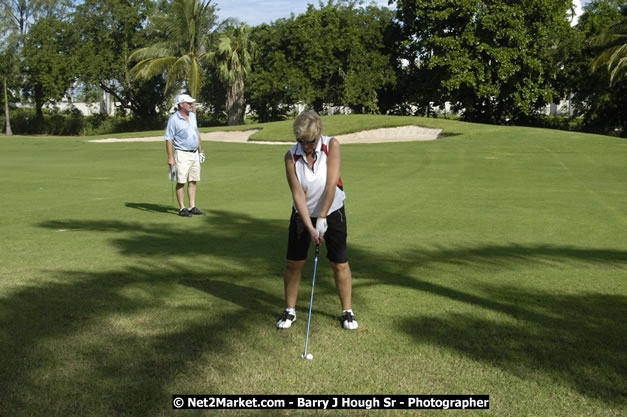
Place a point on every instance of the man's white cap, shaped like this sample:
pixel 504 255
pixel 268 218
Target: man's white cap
pixel 185 98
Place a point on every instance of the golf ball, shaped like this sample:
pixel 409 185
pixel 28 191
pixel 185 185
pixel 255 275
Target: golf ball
pixel 309 356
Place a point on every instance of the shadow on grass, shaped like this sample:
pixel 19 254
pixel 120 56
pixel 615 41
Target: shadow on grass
pixel 578 340
pixel 67 344
pixel 227 235
pixel 447 134
pixel 157 208
pixel 84 335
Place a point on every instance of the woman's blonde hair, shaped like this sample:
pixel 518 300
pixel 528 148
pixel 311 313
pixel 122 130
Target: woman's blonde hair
pixel 308 126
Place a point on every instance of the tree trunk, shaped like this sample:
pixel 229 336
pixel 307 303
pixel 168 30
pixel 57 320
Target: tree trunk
pixel 318 106
pixel 39 117
pixel 236 103
pixel 8 130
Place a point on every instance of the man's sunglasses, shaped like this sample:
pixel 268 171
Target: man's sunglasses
pixel 307 142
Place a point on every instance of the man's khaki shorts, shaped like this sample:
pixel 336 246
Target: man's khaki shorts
pixel 187 166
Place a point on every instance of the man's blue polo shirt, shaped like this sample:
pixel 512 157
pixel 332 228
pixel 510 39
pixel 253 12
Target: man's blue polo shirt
pixel 183 133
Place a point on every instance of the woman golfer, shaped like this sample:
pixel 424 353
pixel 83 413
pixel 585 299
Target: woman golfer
pixel 313 174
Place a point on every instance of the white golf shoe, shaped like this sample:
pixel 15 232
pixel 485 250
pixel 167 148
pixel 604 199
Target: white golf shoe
pixel 286 319
pixel 348 320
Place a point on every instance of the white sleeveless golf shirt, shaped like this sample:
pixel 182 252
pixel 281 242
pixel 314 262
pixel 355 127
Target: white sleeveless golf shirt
pixel 314 180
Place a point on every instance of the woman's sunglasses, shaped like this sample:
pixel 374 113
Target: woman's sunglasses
pixel 307 142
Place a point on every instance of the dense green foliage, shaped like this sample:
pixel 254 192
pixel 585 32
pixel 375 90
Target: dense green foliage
pixel 495 61
pixel 331 56
pixel 46 77
pixel 272 90
pixel 602 106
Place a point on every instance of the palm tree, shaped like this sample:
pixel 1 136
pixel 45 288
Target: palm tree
pixel 184 31
pixel 233 60
pixel 614 56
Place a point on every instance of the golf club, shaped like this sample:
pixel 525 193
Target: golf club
pixel 313 283
pixel 172 178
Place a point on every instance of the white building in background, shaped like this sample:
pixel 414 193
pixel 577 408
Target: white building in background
pixel 105 105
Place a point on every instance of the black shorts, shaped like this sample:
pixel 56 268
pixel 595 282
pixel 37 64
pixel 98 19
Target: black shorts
pixel 334 238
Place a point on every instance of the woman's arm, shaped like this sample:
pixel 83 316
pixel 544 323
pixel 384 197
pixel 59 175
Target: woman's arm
pixel 334 162
pixel 298 195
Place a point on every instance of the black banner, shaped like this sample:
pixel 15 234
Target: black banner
pixel 332 402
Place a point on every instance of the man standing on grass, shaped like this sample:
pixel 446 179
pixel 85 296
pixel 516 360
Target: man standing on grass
pixel 185 153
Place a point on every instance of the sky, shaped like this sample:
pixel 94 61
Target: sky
pixel 255 12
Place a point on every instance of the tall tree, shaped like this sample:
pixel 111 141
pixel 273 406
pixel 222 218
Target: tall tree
pixel 182 45
pixel 110 30
pixel 48 65
pixel 494 59
pixel 273 84
pixel 339 54
pixel 233 60
pixel 369 56
pixel 339 49
pixel 16 17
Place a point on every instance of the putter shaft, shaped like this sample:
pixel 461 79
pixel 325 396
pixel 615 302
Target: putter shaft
pixel 313 283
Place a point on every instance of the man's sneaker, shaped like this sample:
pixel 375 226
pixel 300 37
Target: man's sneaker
pixel 185 212
pixel 194 210
pixel 286 319
pixel 348 320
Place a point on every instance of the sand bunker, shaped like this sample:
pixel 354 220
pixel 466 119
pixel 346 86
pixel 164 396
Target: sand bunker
pixel 222 136
pixel 388 134
pixel 391 134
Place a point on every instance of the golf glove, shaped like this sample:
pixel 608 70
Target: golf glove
pixel 201 156
pixel 321 226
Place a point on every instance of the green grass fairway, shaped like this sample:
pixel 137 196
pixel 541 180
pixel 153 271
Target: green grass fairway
pixel 492 261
